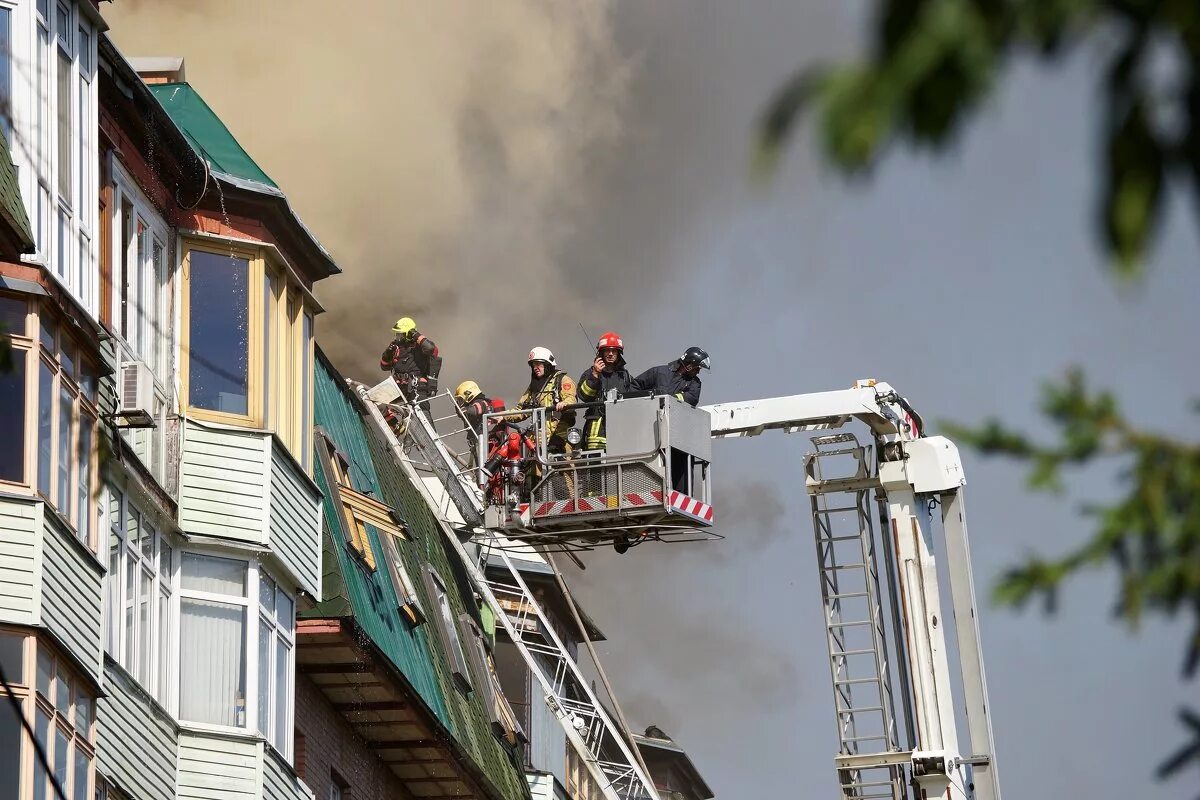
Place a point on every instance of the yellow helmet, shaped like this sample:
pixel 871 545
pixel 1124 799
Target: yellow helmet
pixel 404 326
pixel 467 391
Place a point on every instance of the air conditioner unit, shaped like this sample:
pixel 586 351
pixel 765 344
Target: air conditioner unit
pixel 135 400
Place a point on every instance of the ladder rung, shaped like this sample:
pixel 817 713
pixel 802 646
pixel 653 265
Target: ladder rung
pixel 879 737
pixel 836 510
pixel 858 623
pixel 866 710
pixel 843 566
pixel 850 681
pixel 840 653
pixel 846 595
pixel 856 537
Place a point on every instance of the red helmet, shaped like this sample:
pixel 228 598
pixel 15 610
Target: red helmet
pixel 611 339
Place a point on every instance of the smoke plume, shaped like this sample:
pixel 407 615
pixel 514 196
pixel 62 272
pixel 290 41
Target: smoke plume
pixel 442 152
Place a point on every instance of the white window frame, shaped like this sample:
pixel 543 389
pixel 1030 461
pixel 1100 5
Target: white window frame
pixel 282 632
pixel 255 671
pixel 143 653
pixel 37 40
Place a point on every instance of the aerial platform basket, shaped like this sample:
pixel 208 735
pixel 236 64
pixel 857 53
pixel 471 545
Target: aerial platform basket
pixel 651 480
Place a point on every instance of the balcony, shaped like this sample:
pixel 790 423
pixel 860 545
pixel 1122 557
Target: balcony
pixel 241 485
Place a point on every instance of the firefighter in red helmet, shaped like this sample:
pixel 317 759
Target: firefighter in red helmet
pixel 607 373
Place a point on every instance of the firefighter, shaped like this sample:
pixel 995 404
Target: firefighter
pixel 608 372
pixel 413 360
pixel 474 404
pixel 552 389
pixel 679 379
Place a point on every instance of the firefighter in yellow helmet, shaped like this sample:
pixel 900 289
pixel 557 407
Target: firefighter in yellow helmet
pixel 413 360
pixel 474 404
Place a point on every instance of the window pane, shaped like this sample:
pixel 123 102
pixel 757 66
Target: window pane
pixel 148 542
pixel 266 361
pixel 83 712
pixel 66 358
pixel 12 420
pixel 66 405
pixel 158 332
pixel 218 377
pixel 144 308
pixel 214 574
pixel 266 594
pixel 281 694
pixel 284 615
pixel 81 775
pixel 10 752
pixel 264 676
pixel 133 529
pixel 84 483
pixel 62 758
pixel 45 428
pixel 115 592
pixel 45 673
pixel 145 604
pixel 41 728
pixel 62 692
pixel 12 661
pixel 12 309
pixel 46 333
pixel 129 601
pixel 212 685
pixel 43 7
pixel 62 264
pixel 61 19
pixel 127 313
pixel 164 645
pixel 65 74
pixel 164 561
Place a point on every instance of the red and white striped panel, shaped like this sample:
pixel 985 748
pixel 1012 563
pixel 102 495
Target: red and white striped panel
pixel 581 506
pixel 691 507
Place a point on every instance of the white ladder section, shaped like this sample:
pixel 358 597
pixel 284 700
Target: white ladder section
pixel 588 726
pixel 854 621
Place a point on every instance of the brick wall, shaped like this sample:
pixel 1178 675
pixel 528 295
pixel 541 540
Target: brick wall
pixel 325 743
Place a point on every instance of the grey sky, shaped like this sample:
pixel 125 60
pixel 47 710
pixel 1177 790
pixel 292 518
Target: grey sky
pixel 963 281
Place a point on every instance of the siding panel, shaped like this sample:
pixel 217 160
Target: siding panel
pixel 72 592
pixel 223 487
pixel 295 536
pixel 136 740
pixel 18 559
pixel 279 782
pixel 216 768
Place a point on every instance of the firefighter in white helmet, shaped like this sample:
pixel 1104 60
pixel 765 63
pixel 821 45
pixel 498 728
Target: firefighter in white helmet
pixel 550 388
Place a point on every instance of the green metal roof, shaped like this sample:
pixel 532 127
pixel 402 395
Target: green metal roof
pixel 351 589
pixel 12 207
pixel 207 133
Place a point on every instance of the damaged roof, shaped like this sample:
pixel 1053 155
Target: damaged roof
pixel 12 207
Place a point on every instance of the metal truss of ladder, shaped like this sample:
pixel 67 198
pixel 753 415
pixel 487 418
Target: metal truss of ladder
pixel 568 693
pixel 854 622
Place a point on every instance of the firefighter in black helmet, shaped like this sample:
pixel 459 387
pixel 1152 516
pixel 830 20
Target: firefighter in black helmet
pixel 679 379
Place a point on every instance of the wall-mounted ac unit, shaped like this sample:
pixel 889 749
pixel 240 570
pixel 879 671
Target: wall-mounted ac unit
pixel 135 396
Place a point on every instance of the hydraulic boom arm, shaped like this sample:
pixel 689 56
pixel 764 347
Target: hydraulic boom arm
pixel 908 475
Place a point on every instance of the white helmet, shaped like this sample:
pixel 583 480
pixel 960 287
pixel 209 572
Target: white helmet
pixel 542 354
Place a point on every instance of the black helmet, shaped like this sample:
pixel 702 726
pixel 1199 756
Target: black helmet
pixel 696 357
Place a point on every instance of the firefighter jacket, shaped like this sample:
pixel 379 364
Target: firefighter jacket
pixel 593 389
pixel 667 379
pixel 474 411
pixel 418 358
pixel 547 392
